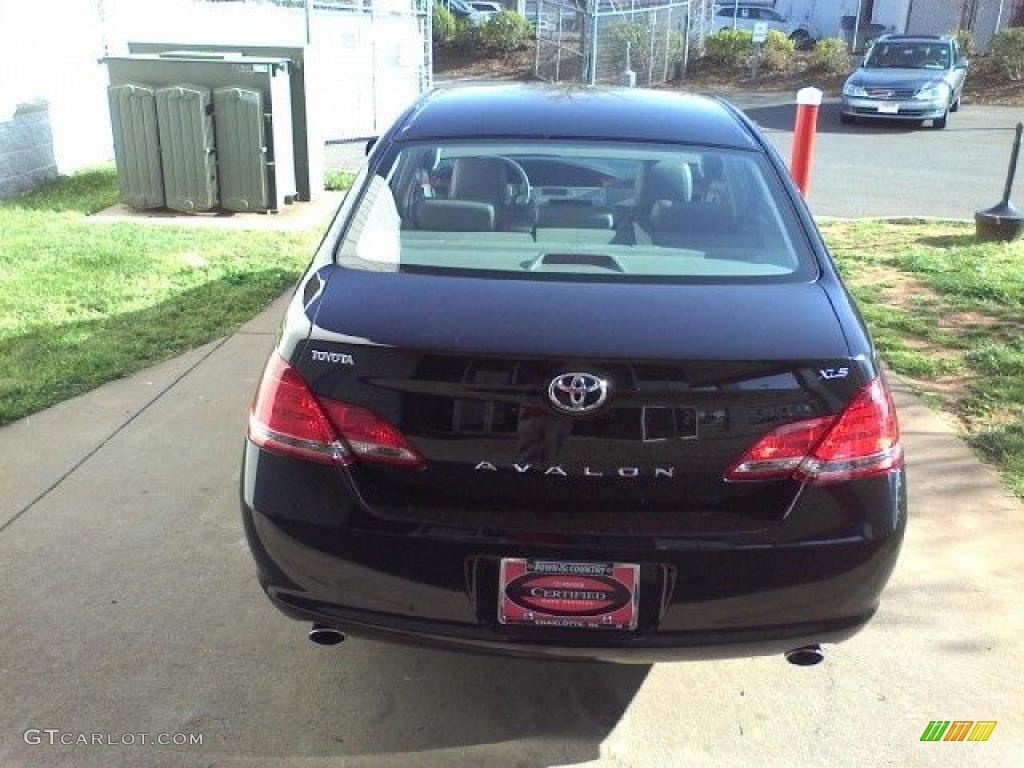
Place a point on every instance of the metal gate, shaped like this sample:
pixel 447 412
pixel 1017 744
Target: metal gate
pixel 559 53
pixel 633 42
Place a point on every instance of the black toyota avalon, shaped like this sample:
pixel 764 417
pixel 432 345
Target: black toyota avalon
pixel 573 375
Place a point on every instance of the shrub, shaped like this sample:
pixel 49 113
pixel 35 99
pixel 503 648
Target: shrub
pixel 778 52
pixel 505 32
pixel 338 181
pixel 830 56
pixel 466 37
pixel 1008 52
pixel 676 47
pixel 638 36
pixel 965 39
pixel 445 26
pixel 729 47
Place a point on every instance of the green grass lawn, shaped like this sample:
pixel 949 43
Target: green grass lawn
pixel 83 302
pixel 948 313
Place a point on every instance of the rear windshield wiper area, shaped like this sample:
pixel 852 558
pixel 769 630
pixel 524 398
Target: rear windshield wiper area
pixel 595 260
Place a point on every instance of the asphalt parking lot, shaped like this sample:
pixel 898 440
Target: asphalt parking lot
pixel 891 168
pixel 881 168
pixel 130 606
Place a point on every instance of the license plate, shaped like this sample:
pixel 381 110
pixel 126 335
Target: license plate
pixel 888 109
pixel 568 594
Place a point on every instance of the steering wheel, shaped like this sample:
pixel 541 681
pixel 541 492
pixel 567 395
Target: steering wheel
pixel 523 198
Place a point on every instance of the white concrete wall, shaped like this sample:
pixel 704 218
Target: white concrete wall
pixel 822 14
pixel 826 14
pixel 371 67
pixel 934 17
pixel 26 149
pixel 54 45
pixel 891 13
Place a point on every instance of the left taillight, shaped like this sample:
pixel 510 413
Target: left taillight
pixel 286 417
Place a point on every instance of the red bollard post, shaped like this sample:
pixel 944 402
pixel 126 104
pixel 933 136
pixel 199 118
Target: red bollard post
pixel 808 102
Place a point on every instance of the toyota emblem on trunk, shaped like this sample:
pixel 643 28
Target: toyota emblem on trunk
pixel 577 392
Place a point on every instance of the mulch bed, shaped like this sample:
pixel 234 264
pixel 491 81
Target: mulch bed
pixel 984 84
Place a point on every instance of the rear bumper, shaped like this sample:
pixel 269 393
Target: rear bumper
pixel 699 597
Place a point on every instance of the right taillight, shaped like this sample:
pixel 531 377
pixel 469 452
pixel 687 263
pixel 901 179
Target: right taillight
pixel 863 440
pixel 286 417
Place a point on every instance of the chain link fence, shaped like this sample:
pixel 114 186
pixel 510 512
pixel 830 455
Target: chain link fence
pixel 623 42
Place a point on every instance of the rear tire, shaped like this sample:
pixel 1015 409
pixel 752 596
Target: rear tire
pixel 940 122
pixel 846 119
pixel 956 105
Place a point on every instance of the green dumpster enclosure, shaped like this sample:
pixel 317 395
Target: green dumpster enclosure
pixel 198 131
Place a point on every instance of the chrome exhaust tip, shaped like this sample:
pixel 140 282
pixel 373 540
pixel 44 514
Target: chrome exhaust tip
pixel 806 656
pixel 324 635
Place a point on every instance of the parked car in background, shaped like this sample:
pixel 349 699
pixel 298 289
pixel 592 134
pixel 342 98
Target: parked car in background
pixel 907 77
pixel 476 12
pixel 746 15
pixel 535 394
pixel 486 8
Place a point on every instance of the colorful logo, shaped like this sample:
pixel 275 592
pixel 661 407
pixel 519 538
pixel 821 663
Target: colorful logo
pixel 958 730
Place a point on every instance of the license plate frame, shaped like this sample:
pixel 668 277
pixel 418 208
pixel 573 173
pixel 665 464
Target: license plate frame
pixel 572 594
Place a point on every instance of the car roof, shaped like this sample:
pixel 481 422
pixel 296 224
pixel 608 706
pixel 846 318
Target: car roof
pixel 574 112
pixel 915 38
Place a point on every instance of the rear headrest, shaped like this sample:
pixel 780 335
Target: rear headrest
pixel 574 216
pixel 713 167
pixel 438 215
pixel 664 180
pixel 667 216
pixel 483 179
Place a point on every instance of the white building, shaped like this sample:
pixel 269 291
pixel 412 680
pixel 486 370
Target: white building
pixel 373 58
pixel 931 17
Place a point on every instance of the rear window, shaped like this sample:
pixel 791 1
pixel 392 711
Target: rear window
pixel 909 55
pixel 577 210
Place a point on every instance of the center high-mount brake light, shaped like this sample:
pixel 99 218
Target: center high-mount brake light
pixel 861 441
pixel 286 417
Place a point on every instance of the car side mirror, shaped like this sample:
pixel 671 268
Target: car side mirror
pixel 369 145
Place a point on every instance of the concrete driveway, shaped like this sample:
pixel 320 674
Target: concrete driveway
pixel 130 605
pixel 875 169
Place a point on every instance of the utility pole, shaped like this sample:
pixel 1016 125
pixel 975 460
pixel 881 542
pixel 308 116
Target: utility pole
pixel 856 26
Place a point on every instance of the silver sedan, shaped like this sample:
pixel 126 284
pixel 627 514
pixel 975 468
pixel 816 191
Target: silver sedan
pixel 907 78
